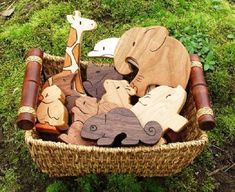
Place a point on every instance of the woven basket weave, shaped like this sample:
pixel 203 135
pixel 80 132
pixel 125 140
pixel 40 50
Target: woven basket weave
pixel 59 159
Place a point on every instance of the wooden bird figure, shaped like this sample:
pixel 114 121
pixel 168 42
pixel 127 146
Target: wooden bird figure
pixel 51 110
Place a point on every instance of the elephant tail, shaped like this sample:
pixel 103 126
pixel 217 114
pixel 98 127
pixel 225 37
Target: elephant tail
pixel 153 132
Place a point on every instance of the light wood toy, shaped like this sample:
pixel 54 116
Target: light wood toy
pixel 118 92
pixel 84 108
pixel 106 127
pixel 161 60
pixel 162 104
pixel 72 57
pixel 52 111
pixel 105 48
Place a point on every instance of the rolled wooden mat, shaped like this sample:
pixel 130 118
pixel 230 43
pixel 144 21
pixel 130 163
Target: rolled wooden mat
pixel 199 89
pixel 31 84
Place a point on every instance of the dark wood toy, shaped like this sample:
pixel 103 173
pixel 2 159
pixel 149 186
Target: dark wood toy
pixel 94 85
pixel 200 93
pixel 85 107
pixel 30 90
pixel 106 127
pixel 65 83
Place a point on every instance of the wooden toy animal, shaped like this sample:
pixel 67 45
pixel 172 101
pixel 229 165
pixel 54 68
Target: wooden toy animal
pixel 72 56
pixel 162 104
pixel 84 108
pixel 105 48
pixel 106 127
pixel 51 110
pixel 94 85
pixel 65 83
pixel 161 60
pixel 118 92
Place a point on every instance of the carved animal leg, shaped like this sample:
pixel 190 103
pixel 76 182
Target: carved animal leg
pixel 128 141
pixel 105 141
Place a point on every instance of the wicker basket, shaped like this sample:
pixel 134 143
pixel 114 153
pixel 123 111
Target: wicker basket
pixel 59 159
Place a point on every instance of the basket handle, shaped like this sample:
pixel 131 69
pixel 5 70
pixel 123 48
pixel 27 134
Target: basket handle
pixel 205 116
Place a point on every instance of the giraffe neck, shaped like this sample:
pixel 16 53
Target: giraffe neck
pixel 72 56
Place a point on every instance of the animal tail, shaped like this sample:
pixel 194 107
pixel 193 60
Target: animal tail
pixel 153 132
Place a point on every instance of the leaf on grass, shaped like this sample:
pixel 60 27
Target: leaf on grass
pixel 230 36
pixel 7 12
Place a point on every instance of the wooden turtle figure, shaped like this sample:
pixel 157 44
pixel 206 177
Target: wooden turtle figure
pixel 106 127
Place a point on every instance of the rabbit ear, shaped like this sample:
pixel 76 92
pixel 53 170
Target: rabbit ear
pixel 158 35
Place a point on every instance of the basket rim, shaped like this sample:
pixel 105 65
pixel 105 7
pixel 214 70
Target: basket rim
pixel 202 140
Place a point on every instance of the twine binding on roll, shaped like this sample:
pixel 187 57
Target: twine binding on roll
pixel 27 109
pixel 34 58
pixel 196 64
pixel 204 111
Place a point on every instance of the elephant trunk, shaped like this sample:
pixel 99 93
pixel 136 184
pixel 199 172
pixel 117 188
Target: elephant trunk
pixel 140 84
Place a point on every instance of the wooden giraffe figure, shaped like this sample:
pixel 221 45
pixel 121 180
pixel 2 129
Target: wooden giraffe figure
pixel 73 49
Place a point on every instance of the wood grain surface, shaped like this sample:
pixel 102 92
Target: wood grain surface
pixel 162 104
pixel 51 110
pixel 94 85
pixel 106 127
pixel 30 90
pixel 118 92
pixel 201 95
pixel 84 108
pixel 161 60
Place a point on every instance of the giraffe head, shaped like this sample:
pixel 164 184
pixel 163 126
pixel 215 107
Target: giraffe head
pixel 81 24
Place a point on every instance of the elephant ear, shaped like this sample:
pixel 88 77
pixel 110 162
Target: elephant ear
pixel 157 35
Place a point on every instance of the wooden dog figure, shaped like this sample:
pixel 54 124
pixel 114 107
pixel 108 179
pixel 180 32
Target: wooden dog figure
pixel 106 127
pixel 118 92
pixel 162 104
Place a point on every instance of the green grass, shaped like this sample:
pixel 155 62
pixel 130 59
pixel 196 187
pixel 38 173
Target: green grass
pixel 205 27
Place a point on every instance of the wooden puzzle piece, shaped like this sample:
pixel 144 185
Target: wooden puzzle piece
pixel 51 110
pixel 73 50
pixel 161 60
pixel 105 48
pixel 46 128
pixel 73 135
pixel 163 105
pixel 94 85
pixel 65 83
pixel 70 102
pixel 118 92
pixel 84 108
pixel 106 127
